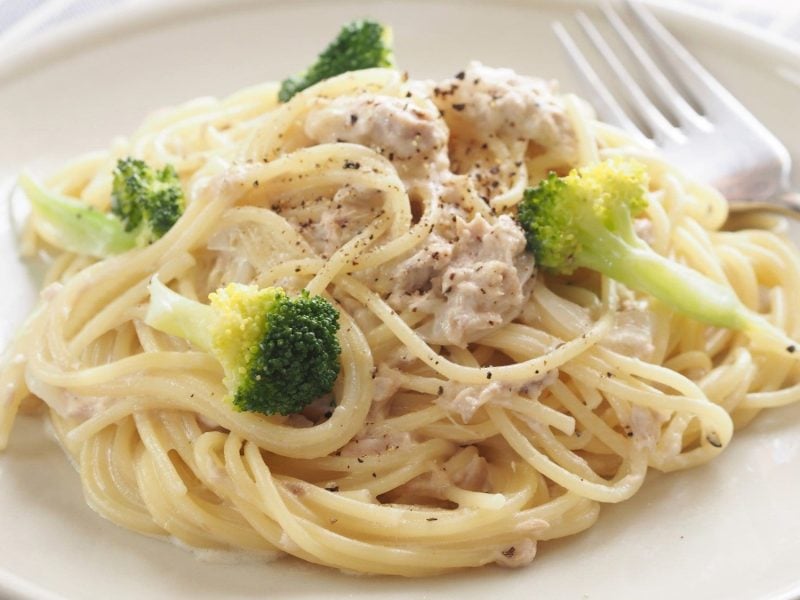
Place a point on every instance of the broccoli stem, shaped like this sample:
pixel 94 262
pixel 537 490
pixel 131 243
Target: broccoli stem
pixel 177 315
pixel 75 225
pixel 677 286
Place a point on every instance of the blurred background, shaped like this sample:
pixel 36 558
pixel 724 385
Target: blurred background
pixel 23 20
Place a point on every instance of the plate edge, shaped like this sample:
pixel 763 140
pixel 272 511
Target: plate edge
pixel 75 36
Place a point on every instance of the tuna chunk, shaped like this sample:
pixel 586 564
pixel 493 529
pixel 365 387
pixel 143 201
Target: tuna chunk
pixel 466 400
pixel 410 134
pixel 499 103
pixel 473 286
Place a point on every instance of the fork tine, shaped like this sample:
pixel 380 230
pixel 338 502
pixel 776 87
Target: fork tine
pixel 716 100
pixel 704 86
pixel 659 125
pixel 690 72
pixel 606 104
pixel 660 85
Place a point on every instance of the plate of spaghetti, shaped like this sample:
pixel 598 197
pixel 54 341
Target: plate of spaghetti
pixel 361 289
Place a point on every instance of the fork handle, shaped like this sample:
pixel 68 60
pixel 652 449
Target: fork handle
pixel 791 200
pixel 786 203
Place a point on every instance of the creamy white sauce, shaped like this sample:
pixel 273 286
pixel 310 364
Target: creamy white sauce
pixel 228 557
pixel 632 332
pixel 67 404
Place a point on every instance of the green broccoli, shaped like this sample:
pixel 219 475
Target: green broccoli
pixel 278 353
pixel 586 220
pixel 359 45
pixel 145 204
pixel 147 201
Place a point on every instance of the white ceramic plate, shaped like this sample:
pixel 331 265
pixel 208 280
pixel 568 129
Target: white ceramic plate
pixel 727 530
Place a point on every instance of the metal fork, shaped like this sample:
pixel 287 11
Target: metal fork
pixel 710 135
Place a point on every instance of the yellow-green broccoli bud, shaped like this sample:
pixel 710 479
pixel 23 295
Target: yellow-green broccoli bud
pixel 585 219
pixel 278 353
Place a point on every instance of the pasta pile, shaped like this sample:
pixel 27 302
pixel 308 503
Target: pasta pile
pixel 461 431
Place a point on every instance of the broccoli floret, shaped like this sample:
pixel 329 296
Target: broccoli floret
pixel 586 220
pixel 147 201
pixel 278 353
pixel 145 204
pixel 359 45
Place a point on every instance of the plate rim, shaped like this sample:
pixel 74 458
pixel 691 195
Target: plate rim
pixel 86 34
pixel 14 587
pixel 82 34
